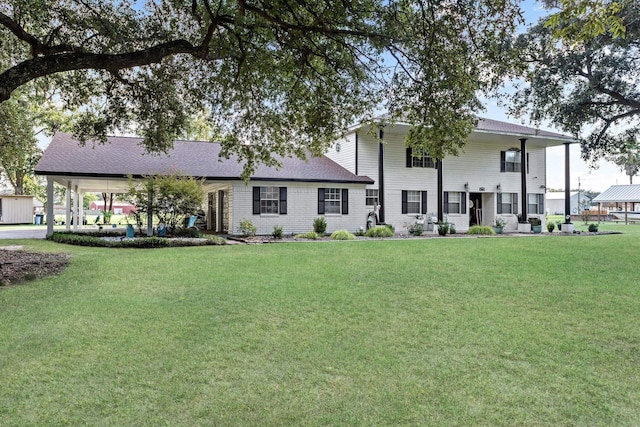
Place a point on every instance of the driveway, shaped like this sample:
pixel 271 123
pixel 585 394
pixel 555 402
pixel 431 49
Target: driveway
pixel 32 233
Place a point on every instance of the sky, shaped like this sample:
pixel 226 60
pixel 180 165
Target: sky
pixel 605 175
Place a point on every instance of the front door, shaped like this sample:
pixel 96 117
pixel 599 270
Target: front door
pixel 475 209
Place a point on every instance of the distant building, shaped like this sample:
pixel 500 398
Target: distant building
pixel 117 208
pixel 555 202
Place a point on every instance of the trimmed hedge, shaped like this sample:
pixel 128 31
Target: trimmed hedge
pixel 96 240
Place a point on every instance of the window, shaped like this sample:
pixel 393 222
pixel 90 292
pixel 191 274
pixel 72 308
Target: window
pixel 333 201
pixel 414 202
pixel 270 200
pixel 419 159
pixel 507 203
pixel 455 202
pixel 372 197
pixel 510 160
pixel 535 203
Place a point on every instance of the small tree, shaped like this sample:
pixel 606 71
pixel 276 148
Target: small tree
pixel 169 197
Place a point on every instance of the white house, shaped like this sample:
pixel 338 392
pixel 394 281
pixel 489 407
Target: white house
pixel 555 202
pixel 501 171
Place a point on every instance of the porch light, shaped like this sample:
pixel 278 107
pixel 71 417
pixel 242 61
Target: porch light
pixel 466 185
pixel 499 188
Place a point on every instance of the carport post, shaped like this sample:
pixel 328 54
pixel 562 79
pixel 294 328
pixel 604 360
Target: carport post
pixel 50 211
pixel 150 215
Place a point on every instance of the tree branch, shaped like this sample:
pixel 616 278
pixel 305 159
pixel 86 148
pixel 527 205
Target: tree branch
pixel 37 47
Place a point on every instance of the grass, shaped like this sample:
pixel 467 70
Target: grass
pixel 509 331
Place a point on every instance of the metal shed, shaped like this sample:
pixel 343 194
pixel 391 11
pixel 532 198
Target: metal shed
pixel 627 194
pixel 16 209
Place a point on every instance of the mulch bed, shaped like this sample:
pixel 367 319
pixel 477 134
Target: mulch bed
pixel 17 265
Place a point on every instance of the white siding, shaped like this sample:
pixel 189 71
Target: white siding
pixel 346 157
pixel 302 208
pixel 478 165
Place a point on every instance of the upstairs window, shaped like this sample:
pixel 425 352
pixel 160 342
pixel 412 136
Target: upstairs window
pixel 510 160
pixel 419 159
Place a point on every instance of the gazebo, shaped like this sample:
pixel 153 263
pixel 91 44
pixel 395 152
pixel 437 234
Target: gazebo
pixel 621 194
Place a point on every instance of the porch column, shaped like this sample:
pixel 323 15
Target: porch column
pixel 80 195
pixel 440 192
pixel 567 184
pixel 150 217
pixel 523 177
pixel 75 208
pixel 50 206
pixel 67 214
pixel 381 174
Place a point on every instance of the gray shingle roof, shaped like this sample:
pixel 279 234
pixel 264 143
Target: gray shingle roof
pixel 491 125
pixel 123 156
pixel 619 193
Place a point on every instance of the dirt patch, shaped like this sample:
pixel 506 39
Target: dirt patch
pixel 18 266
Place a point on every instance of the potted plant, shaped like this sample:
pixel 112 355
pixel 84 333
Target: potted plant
pixel 536 225
pixel 550 226
pixel 499 225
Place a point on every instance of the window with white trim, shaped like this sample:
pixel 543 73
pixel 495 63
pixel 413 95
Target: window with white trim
pixel 535 203
pixel 371 198
pixel 510 160
pixel 414 202
pixel 419 159
pixel 269 200
pixel 455 202
pixel 333 201
pixel 507 203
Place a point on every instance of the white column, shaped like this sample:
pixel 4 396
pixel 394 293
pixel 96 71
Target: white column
pixel 50 206
pixel 81 208
pixel 75 208
pixel 67 221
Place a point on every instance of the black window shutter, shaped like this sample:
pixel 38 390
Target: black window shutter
pixel 423 200
pixel 499 203
pixel 445 202
pixel 256 200
pixel 503 161
pixel 283 200
pixel 527 162
pixel 405 208
pixel 463 207
pixel 320 201
pixel 514 209
pixel 541 202
pixel 409 157
pixel 345 201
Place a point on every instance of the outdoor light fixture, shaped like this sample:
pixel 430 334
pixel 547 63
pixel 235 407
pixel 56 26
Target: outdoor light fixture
pixel 466 185
pixel 499 188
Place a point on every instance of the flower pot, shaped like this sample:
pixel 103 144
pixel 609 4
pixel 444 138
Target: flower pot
pixel 498 230
pixel 537 229
pixel 130 232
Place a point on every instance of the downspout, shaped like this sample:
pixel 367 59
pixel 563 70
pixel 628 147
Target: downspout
pixel 356 154
pixel 523 177
pixel 381 175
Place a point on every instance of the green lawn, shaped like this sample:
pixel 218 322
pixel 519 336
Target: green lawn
pixel 490 331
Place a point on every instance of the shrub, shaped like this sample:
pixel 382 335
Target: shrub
pixel 311 235
pixel 278 232
pixel 535 222
pixel 93 239
pixel 379 231
pixel 390 227
pixel 342 235
pixel 186 232
pixel 481 229
pixel 452 229
pixel 443 228
pixel 247 228
pixel 214 240
pixel 360 232
pixel 550 226
pixel 320 225
pixel 415 229
pixel 593 228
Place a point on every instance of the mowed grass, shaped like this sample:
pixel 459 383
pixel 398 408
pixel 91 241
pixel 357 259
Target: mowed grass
pixel 453 331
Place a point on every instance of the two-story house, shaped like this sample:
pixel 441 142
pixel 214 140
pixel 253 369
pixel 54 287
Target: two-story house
pixel 501 171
